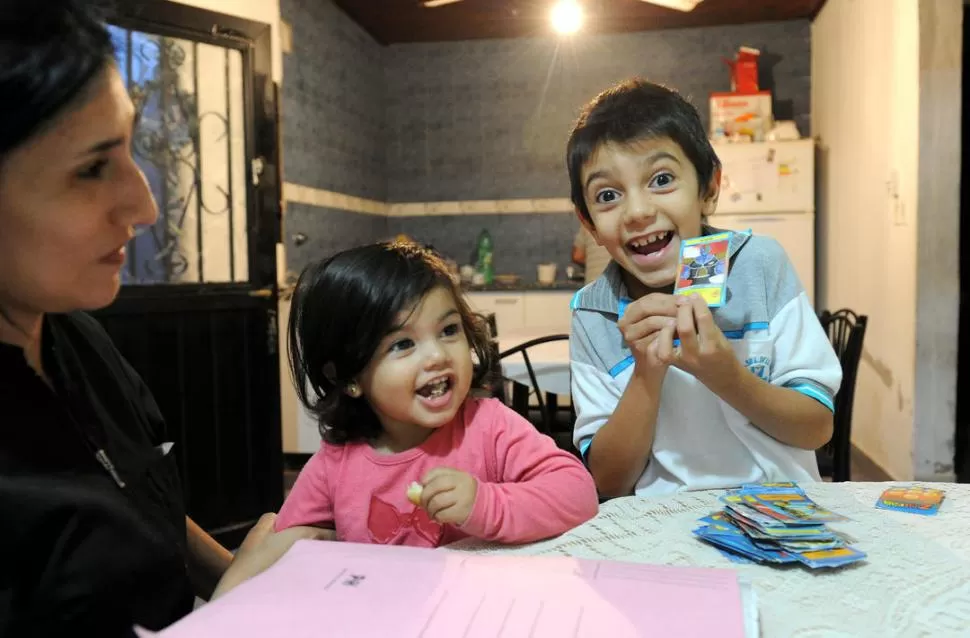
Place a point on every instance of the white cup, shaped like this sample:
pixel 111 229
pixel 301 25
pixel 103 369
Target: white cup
pixel 546 273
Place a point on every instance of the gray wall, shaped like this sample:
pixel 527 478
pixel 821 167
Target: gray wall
pixel 327 231
pixel 520 241
pixel 333 103
pixel 333 127
pixel 488 119
pixel 480 120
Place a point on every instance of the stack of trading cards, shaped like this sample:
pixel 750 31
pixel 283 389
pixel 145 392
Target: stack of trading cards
pixel 776 523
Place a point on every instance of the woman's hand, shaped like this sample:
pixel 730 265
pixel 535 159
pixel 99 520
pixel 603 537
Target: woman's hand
pixel 262 547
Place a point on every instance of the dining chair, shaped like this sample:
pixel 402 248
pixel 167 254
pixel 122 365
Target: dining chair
pixel 846 331
pixel 521 392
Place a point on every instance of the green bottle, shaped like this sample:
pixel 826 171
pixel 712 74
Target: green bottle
pixel 485 252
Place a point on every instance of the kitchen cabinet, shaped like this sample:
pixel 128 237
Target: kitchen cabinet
pixel 508 308
pixel 547 312
pixel 525 312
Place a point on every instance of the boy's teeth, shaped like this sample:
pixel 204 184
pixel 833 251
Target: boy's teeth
pixel 651 243
pixel 651 238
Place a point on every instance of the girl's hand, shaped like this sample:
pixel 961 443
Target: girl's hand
pixel 448 495
pixel 704 351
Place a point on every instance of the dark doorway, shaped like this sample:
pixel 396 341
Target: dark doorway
pixel 197 314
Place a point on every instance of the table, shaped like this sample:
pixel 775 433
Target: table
pixel 550 362
pixel 916 581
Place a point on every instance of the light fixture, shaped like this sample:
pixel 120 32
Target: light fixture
pixel 567 16
pixel 680 5
pixel 437 3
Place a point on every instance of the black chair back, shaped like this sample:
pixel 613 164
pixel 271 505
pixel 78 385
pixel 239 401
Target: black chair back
pixel 520 393
pixel 846 331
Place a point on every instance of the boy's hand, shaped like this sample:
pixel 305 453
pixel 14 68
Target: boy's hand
pixel 647 321
pixel 704 350
pixel 448 495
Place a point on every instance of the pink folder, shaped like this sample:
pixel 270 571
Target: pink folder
pixel 337 589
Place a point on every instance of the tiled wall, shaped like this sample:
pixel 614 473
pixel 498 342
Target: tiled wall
pixel 327 231
pixel 520 241
pixel 479 120
pixel 488 119
pixel 333 102
pixel 333 127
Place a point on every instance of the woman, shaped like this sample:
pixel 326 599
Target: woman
pixel 93 533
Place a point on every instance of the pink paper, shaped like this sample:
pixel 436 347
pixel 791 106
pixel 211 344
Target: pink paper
pixel 341 589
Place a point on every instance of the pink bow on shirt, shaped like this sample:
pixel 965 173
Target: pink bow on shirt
pixel 385 523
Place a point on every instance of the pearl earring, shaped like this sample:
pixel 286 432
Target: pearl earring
pixel 353 391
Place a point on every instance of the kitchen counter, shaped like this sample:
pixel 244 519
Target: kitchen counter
pixel 523 286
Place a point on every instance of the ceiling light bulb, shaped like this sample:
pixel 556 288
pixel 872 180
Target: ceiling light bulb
pixel 679 5
pixel 567 16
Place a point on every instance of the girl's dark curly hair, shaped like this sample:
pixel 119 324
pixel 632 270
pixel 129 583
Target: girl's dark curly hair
pixel 341 310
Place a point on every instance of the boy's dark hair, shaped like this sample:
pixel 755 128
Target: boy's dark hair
pixel 636 110
pixel 49 51
pixel 341 310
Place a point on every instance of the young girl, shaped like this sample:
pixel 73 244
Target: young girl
pixel 380 349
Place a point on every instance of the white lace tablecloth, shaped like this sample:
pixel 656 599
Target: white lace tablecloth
pixel 916 581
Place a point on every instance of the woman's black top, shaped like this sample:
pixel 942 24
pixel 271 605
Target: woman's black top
pixel 92 521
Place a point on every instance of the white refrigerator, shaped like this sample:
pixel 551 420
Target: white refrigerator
pixel 769 188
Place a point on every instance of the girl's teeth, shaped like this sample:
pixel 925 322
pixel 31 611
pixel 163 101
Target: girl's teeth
pixel 437 389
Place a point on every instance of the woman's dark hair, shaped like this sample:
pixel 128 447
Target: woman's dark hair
pixel 631 111
pixel 341 310
pixel 49 51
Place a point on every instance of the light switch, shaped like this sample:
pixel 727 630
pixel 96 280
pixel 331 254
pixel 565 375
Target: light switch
pixel 286 37
pixel 895 201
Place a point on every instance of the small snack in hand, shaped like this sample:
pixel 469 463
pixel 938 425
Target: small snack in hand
pixel 414 492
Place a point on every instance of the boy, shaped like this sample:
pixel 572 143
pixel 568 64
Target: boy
pixel 669 395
